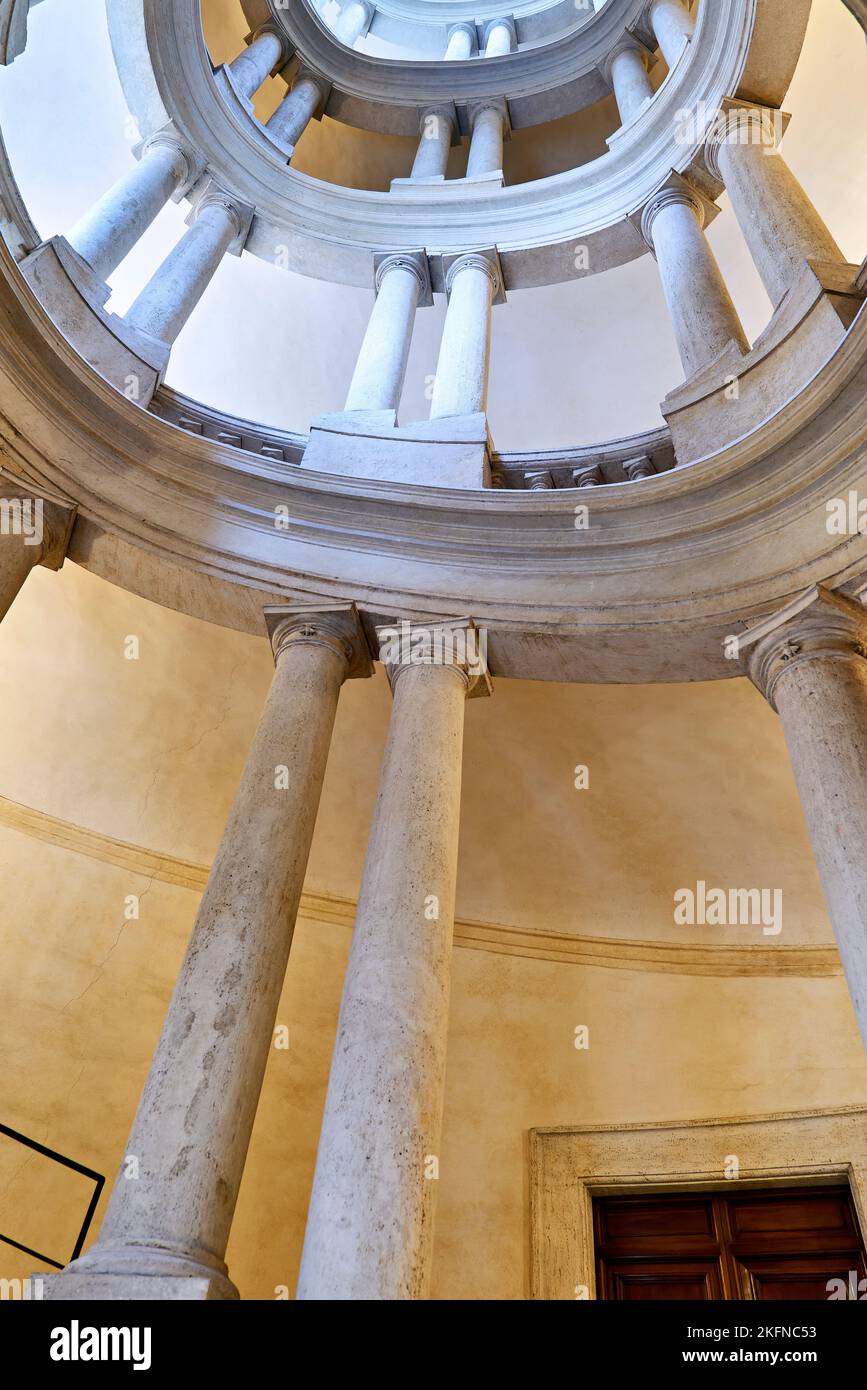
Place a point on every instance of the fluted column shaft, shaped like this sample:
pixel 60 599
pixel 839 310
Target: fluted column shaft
pixel 109 231
pixel 461 43
pixel 630 80
pixel 486 142
pixel 370 1221
pixel 702 312
pixel 813 670
pixel 352 22
pixel 192 1128
pixel 250 69
pixel 461 382
pixel 435 140
pixel 172 293
pixel 295 111
pixel 377 381
pixel 780 224
pixel 673 25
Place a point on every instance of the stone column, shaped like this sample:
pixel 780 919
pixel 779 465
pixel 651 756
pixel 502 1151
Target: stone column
pixel 33 531
pixel 626 72
pixel 703 315
pixel 353 21
pixel 461 382
pixel 401 281
pixel 174 290
pixel 779 223
pixel 107 234
pixel 672 25
pixel 461 42
pixel 370 1221
pixel 165 1231
pixel 486 141
pixel 437 128
pixel 257 62
pixel 810 662
pixel 296 110
pixel 499 38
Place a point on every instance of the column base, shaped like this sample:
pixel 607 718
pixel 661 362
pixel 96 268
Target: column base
pixel 133 1288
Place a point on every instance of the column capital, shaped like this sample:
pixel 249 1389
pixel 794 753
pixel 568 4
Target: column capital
pixel 44 523
pixel 743 123
pixel 820 624
pixel 676 190
pixel 415 262
pixel 497 104
pixel 464 28
pixel 639 468
pixel 190 165
pixel 336 626
pixel 445 111
pixel 505 22
pixel 588 477
pixel 241 214
pixel 487 260
pixel 454 643
pixel 628 42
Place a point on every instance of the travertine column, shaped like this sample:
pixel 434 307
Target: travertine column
pixel 250 69
pixel 499 37
pixel 370 1221
pixel 33 532
pixel 486 141
pixel 113 226
pixel 703 315
pixel 672 25
pixel 810 661
pixel 435 139
pixel 171 1208
pixel 174 290
pixel 461 42
pixel 401 281
pixel 779 223
pixel 461 382
pixel 353 21
pixel 625 70
pixel 296 110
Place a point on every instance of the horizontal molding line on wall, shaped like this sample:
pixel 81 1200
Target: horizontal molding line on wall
pixel 532 943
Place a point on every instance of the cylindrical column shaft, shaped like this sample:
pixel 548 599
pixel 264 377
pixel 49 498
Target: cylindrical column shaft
pixel 352 22
pixel 250 69
pixel 499 39
pixel 295 111
pixel 369 1226
pixel 189 1139
pixel 461 43
pixel 109 231
pixel 461 382
pixel 673 25
pixel 432 155
pixel 702 312
pixel 631 83
pixel 780 224
pixel 486 142
pixel 175 289
pixel 381 367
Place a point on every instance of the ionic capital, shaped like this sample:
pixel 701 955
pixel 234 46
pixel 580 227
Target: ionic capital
pixel 675 191
pixel 456 645
pixel 442 111
pixel 628 42
pixel 337 627
pixel 188 163
pixel 413 261
pixel 506 22
pixel 820 625
pixel 743 123
pixel 487 260
pixel 498 105
pixel 588 477
pixel 469 30
pixel 639 468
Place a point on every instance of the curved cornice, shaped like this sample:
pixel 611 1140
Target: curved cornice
pixel 647 590
pixel 334 233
